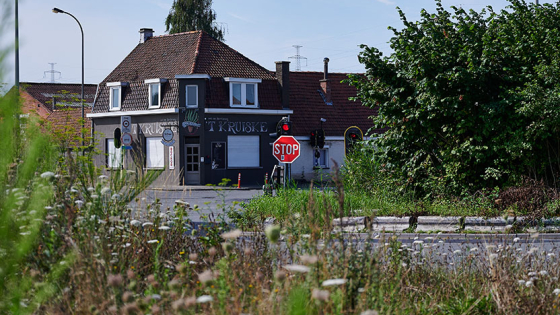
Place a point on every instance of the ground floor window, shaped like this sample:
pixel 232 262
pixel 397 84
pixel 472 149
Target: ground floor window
pixel 243 151
pixel 321 158
pixel 114 155
pixel 155 156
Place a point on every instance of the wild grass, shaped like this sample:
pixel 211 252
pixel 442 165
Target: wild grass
pixel 78 249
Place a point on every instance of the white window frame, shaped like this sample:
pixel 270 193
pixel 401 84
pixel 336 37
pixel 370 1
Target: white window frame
pixel 237 151
pixel 159 161
pixel 325 150
pixel 243 82
pixel 114 155
pixel 115 86
pixel 159 83
pixel 187 96
pixel 112 90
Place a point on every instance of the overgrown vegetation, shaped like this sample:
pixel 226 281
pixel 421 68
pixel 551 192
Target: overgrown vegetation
pixel 79 249
pixel 470 98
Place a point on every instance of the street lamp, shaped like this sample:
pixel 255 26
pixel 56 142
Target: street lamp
pixel 57 10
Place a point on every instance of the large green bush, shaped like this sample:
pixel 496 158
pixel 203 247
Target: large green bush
pixel 470 98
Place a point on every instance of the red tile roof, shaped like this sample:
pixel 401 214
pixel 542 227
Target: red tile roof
pixel 185 53
pixel 66 124
pixel 309 105
pixel 67 94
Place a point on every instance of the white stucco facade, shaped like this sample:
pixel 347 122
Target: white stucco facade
pixel 304 169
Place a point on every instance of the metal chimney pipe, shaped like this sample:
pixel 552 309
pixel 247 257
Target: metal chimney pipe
pixel 326 69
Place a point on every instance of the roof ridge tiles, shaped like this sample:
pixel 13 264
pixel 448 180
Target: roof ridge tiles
pixel 197 52
pixel 177 34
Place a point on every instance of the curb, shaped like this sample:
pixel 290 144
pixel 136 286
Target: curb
pixel 199 188
pixel 445 224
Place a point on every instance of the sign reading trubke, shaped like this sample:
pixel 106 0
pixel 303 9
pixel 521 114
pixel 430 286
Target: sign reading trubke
pixel 286 149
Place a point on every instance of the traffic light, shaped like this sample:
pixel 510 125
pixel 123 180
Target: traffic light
pixel 352 135
pixel 117 138
pixel 285 128
pixel 321 138
pixel 313 138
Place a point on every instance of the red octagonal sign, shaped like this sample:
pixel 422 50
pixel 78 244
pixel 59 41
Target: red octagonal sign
pixel 286 149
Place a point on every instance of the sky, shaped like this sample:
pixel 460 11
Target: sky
pixel 262 30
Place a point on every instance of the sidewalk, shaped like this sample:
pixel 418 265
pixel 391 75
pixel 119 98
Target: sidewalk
pixel 201 187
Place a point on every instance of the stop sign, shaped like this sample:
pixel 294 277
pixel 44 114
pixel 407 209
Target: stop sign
pixel 286 149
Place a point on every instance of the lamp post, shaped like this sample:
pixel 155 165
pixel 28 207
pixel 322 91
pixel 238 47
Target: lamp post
pixel 56 10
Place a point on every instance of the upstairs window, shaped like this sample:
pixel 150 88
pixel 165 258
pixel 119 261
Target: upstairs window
pixel 115 95
pixel 154 92
pixel 191 96
pixel 243 92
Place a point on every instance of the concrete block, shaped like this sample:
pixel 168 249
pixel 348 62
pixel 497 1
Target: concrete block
pixel 390 224
pixel 435 223
pixel 479 224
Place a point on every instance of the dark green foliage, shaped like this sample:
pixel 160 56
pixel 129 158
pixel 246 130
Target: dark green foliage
pixel 193 15
pixel 470 98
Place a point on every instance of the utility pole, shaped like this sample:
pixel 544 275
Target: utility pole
pixel 52 72
pixel 17 49
pixel 298 57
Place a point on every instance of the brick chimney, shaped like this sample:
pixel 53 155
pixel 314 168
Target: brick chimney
pixel 326 83
pixel 145 34
pixel 283 77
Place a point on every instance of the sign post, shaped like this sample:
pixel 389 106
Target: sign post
pixel 126 131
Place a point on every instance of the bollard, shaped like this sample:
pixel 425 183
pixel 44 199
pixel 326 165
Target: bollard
pixel 266 178
pixel 239 181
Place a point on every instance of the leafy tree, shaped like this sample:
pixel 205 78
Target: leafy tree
pixel 470 98
pixel 193 15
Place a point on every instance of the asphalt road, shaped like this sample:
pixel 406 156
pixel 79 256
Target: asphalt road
pixel 210 200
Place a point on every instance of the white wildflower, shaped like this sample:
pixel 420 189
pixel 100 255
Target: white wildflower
pixel 529 283
pixel 147 224
pixel 333 282
pixel 105 191
pixel 556 291
pixel 532 274
pixel 232 234
pixel 164 228
pixel 47 175
pixel 521 282
pixel 515 240
pixel 418 242
pixel 135 223
pixel 457 252
pixel 474 249
pixel 204 299
pixel 320 295
pixel 543 272
pixel 551 255
pixel 153 241
pixel 103 177
pixel 297 268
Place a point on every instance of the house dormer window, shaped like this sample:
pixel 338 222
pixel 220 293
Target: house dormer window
pixel 115 94
pixel 243 92
pixel 154 92
pixel 191 96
